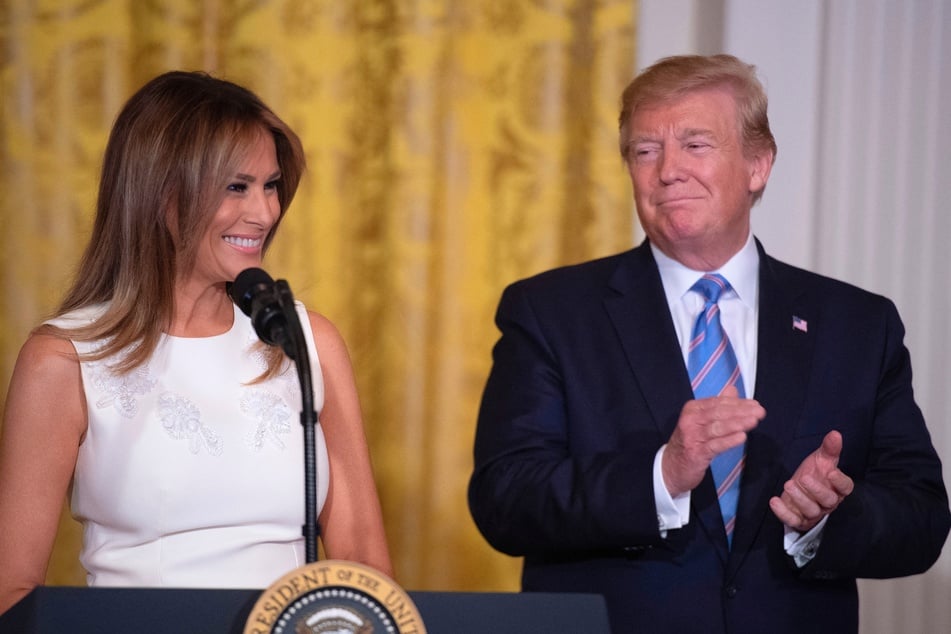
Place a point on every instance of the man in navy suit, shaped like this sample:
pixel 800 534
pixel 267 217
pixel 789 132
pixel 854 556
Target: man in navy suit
pixel 593 454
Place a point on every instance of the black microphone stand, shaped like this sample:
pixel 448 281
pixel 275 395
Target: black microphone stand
pixel 295 347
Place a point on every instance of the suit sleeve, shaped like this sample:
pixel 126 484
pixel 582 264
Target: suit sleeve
pixel 543 482
pixel 896 520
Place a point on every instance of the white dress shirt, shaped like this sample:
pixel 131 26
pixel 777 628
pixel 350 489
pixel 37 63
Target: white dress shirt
pixel 739 315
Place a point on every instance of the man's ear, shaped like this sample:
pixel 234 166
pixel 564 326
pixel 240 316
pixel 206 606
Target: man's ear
pixel 760 166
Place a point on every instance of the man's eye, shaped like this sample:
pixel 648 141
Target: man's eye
pixel 644 153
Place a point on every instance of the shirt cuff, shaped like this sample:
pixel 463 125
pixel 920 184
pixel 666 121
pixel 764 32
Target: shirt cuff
pixel 803 547
pixel 672 512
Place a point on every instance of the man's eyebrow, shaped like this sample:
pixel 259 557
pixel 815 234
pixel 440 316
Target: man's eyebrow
pixel 642 138
pixel 690 132
pixel 648 137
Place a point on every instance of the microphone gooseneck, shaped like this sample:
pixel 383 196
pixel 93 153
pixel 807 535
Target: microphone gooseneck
pixel 270 305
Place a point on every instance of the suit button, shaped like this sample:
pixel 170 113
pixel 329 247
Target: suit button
pixel 731 591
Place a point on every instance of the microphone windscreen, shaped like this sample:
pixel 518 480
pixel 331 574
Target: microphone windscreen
pixel 246 285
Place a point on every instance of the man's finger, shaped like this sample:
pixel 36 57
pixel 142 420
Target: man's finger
pixel 784 513
pixel 842 483
pixel 831 447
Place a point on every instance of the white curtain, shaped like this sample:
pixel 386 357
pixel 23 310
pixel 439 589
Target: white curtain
pixel 860 94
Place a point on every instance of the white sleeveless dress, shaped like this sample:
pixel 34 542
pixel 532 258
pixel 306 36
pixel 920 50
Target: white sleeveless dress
pixel 188 476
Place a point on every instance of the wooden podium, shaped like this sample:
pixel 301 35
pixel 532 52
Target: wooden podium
pixel 49 610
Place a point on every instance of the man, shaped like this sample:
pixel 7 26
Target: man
pixel 616 399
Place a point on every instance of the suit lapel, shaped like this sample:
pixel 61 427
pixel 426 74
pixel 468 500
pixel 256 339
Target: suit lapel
pixel 784 357
pixel 638 309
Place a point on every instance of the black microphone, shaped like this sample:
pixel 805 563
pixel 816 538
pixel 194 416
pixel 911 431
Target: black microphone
pixel 256 295
pixel 270 305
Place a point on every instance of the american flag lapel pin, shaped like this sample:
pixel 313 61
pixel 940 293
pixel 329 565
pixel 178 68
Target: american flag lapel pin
pixel 798 323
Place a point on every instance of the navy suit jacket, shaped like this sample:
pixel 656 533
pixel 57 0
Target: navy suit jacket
pixel 587 383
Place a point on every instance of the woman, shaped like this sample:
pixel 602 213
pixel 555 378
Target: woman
pixel 150 398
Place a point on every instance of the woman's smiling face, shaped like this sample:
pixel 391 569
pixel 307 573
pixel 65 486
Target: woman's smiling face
pixel 235 237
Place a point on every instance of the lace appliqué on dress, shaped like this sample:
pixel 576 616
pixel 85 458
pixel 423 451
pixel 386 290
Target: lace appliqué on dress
pixel 272 415
pixel 182 421
pixel 120 390
pixel 256 353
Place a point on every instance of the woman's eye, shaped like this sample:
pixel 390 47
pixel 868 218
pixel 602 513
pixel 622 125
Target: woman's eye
pixel 238 187
pixel 271 184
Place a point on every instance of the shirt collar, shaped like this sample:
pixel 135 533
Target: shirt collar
pixel 741 270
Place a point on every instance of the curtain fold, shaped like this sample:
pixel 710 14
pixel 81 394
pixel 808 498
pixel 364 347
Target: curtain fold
pixel 453 147
pixel 881 177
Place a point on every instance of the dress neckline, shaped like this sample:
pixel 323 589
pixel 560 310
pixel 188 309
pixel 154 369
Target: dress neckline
pixel 234 324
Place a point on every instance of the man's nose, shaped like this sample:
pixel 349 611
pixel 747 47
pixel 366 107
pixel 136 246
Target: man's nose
pixel 670 165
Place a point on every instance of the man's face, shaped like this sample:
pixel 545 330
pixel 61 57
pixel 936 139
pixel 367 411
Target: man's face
pixel 693 184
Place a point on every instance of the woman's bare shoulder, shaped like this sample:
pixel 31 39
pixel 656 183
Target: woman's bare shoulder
pixel 46 389
pixel 46 349
pixel 326 335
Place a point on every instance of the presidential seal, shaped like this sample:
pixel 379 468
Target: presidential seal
pixel 334 597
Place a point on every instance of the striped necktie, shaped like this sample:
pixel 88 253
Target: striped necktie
pixel 712 366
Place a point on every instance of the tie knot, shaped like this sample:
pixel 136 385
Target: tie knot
pixel 711 286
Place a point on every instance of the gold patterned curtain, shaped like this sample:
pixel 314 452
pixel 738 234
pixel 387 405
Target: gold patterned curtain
pixel 453 147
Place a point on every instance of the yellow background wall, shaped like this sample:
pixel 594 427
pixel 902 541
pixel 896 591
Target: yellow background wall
pixel 453 147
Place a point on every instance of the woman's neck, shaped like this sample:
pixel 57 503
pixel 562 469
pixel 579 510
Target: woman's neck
pixel 201 313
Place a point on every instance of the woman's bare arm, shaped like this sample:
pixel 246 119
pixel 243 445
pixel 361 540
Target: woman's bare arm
pixel 351 520
pixel 43 425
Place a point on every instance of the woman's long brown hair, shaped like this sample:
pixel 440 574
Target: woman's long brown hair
pixel 174 147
